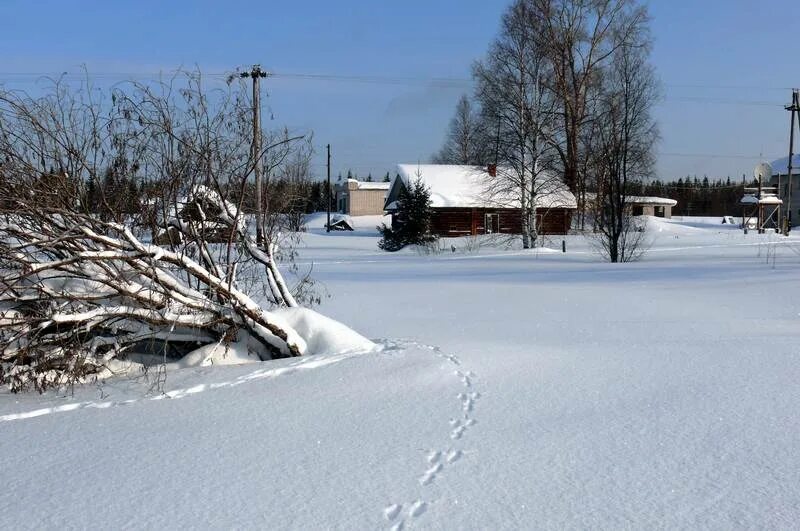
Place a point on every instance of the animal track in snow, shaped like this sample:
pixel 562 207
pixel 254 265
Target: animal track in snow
pixel 452 359
pixel 466 377
pixel 306 363
pixel 453 456
pixel 391 511
pixel 468 401
pixel 430 474
pixel 438 461
pixel 417 508
pixel 460 426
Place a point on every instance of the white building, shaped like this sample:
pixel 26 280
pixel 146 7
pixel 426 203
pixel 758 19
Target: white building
pixel 361 198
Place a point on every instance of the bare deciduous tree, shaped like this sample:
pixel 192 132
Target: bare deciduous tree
pixel 625 137
pixel 466 141
pixel 580 37
pixel 79 290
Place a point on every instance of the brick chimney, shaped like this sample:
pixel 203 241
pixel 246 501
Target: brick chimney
pixel 492 169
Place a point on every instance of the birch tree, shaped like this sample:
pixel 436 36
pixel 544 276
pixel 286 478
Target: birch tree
pixel 466 141
pixel 517 111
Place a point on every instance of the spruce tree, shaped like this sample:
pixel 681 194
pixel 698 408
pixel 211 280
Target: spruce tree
pixel 412 219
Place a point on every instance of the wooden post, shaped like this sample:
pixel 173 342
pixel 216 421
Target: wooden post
pixel 794 108
pixel 330 193
pixel 256 74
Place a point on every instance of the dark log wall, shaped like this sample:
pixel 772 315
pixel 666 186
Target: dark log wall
pixel 554 221
pixel 466 221
pixel 452 222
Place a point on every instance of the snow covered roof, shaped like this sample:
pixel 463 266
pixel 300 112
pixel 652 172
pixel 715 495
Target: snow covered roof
pixel 341 222
pixel 771 200
pixel 748 200
pixel 640 199
pixel 781 166
pixel 751 199
pixel 207 205
pixel 460 186
pixel 650 200
pixel 369 185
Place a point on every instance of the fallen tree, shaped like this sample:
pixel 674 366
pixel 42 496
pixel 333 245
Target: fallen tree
pixel 79 292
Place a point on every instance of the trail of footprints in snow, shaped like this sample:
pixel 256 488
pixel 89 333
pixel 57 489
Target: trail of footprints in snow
pixel 438 459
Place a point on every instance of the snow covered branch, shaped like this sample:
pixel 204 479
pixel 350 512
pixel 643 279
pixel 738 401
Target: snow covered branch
pixel 89 277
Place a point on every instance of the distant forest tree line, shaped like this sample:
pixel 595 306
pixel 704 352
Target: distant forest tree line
pixel 293 191
pixel 698 197
pixel 300 193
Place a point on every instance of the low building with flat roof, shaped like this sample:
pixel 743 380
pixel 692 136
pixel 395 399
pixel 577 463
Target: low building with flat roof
pixel 361 198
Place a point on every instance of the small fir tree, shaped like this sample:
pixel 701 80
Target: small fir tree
pixel 412 220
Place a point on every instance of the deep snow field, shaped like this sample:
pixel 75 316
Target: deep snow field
pixel 512 390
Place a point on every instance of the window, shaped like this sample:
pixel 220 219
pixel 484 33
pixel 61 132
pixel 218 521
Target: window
pixel 659 211
pixel 637 210
pixel 492 223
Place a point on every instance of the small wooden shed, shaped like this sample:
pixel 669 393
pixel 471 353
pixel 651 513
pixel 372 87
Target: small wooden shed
pixel 660 207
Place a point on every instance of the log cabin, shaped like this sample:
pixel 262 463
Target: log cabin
pixel 464 201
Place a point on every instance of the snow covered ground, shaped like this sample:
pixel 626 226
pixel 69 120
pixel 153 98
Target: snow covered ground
pixel 514 389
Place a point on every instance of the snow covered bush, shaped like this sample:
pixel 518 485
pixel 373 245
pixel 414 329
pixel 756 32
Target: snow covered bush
pixel 79 291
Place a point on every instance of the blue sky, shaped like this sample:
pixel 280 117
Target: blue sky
pixel 726 66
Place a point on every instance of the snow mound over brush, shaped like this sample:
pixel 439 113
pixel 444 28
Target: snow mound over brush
pixel 218 354
pixel 322 334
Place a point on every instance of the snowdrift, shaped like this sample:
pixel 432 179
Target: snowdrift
pixel 321 334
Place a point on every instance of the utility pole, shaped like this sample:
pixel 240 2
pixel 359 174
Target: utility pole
pixel 794 109
pixel 328 225
pixel 256 74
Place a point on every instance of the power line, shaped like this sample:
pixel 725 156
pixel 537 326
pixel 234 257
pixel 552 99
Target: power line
pixel 710 155
pixel 361 78
pixel 725 87
pixel 369 79
pixel 438 82
pixel 702 99
pixel 382 80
